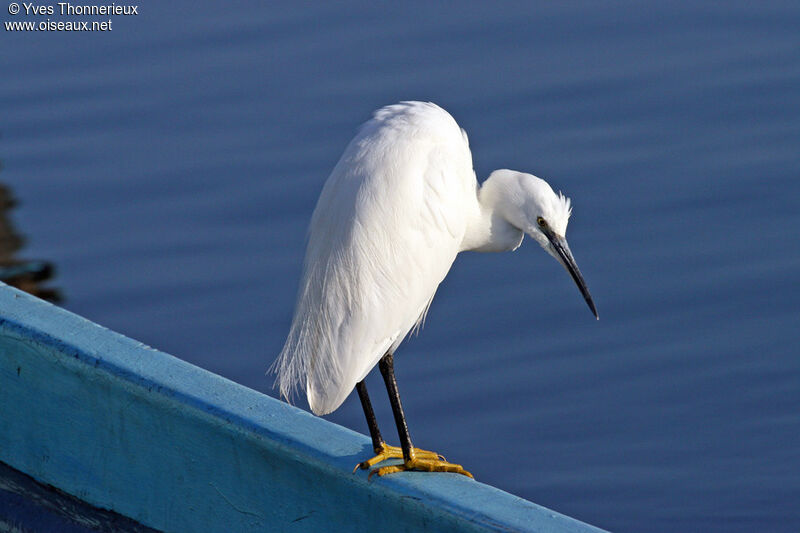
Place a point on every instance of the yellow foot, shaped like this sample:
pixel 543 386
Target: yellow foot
pixel 393 452
pixel 422 464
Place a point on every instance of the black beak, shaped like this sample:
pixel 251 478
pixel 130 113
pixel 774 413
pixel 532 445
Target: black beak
pixel 564 255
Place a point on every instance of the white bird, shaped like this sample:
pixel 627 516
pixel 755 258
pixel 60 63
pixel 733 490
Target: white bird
pixel 398 207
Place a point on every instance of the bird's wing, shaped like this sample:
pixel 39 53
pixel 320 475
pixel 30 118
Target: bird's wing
pixel 384 234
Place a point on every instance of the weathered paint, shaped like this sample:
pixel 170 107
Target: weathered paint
pixel 128 428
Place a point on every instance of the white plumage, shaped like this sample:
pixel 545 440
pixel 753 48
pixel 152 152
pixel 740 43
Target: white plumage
pixel 398 207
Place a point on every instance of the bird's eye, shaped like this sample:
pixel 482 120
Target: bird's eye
pixel 542 222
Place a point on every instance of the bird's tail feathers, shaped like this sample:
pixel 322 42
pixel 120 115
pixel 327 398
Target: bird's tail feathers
pixel 305 362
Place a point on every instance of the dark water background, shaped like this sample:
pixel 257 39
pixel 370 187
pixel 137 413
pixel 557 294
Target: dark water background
pixel 169 168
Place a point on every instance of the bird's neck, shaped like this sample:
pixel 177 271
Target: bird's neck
pixel 489 230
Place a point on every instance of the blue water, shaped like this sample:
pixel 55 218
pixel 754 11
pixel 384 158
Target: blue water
pixel 169 168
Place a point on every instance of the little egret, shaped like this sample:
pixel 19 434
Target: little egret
pixel 398 207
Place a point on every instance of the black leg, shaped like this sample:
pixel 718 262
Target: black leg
pixel 386 366
pixel 374 432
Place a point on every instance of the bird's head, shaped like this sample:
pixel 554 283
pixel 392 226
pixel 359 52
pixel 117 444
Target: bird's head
pixel 529 204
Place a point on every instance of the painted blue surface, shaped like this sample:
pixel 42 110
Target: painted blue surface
pixel 27 506
pixel 128 428
pixel 169 169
